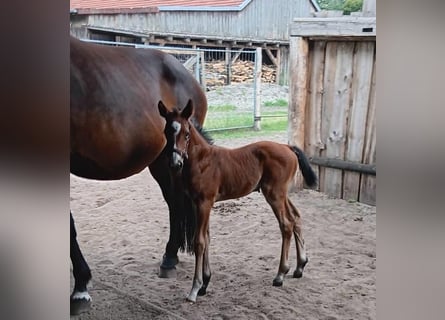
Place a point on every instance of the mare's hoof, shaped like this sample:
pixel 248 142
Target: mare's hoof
pixel 277 282
pixel 167 273
pixel 298 273
pixel 169 262
pixel 77 306
pixel 191 299
pixel 168 267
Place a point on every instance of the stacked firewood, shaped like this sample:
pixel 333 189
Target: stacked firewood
pixel 242 72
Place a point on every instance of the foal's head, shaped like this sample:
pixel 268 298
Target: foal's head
pixel 177 132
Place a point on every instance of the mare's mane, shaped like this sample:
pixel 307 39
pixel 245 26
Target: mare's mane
pixel 202 132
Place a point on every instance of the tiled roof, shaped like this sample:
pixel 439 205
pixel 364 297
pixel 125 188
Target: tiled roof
pixel 114 6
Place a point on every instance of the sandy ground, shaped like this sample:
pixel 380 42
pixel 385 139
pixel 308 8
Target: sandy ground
pixel 123 228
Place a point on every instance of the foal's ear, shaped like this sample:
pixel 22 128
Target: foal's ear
pixel 162 109
pixel 188 110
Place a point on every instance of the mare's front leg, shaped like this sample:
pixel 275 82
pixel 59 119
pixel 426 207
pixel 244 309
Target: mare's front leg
pixel 80 300
pixel 200 247
pixel 160 172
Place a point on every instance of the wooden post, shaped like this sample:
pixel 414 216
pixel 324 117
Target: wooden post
pixel 228 65
pixel 369 8
pixel 257 86
pixel 278 72
pixel 203 72
pixel 298 72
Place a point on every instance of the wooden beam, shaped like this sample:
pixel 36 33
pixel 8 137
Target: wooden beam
pixel 298 71
pixel 237 55
pixel 344 165
pixel 271 57
pixel 328 27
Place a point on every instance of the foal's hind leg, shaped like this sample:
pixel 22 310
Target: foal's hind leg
pixel 276 200
pixel 299 241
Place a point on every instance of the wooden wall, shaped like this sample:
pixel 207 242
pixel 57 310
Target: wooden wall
pixel 339 115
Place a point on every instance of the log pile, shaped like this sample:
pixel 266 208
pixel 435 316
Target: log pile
pixel 242 72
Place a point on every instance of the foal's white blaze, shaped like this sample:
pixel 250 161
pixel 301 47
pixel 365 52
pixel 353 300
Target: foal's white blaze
pixel 81 296
pixel 176 158
pixel 176 126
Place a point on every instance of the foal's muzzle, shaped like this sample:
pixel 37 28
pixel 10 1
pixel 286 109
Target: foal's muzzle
pixel 177 160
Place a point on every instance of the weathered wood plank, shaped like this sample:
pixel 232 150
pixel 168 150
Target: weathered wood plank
pixel 298 82
pixel 335 144
pixel 339 26
pixel 368 183
pixel 361 88
pixel 313 144
pixel 327 102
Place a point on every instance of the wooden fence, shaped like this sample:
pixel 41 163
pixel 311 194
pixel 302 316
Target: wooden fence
pixel 332 110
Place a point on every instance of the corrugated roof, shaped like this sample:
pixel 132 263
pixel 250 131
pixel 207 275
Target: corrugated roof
pixel 114 6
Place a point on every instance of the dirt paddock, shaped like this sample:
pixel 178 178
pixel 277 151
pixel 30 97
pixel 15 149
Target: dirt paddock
pixel 123 229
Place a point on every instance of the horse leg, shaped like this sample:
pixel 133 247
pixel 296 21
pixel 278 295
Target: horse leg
pixel 160 172
pixel 206 272
pixel 200 246
pixel 80 300
pixel 302 259
pixel 277 202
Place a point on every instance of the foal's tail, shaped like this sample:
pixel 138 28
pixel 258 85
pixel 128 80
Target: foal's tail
pixel 308 173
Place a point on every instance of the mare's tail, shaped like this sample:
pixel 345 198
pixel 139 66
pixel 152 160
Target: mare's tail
pixel 308 173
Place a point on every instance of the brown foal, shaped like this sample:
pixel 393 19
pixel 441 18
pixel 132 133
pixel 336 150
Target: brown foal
pixel 213 173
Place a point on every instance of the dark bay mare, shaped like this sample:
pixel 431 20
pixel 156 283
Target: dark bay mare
pixel 213 173
pixel 116 131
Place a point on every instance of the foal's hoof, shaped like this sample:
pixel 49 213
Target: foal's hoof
pixel 298 273
pixel 277 282
pixel 78 306
pixel 202 291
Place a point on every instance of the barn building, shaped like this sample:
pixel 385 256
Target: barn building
pixel 227 24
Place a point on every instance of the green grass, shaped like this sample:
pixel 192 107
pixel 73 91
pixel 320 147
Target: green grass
pixel 222 108
pixel 276 103
pixel 268 125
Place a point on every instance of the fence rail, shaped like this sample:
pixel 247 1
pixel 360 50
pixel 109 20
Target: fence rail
pixel 230 78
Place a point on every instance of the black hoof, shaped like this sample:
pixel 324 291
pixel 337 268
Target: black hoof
pixel 167 273
pixel 277 283
pixel 202 291
pixel 77 306
pixel 298 273
pixel 168 267
pixel 169 262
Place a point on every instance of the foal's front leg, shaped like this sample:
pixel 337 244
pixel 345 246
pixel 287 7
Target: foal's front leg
pixel 206 267
pixel 200 246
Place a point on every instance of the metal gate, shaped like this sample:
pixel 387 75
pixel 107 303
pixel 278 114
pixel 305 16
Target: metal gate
pixel 231 80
